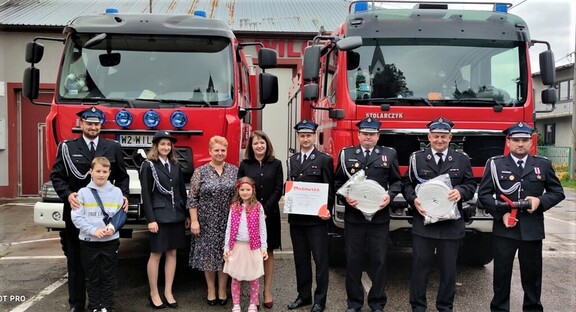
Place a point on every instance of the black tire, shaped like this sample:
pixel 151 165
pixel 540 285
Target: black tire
pixel 476 249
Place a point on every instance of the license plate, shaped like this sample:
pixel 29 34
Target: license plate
pixel 135 140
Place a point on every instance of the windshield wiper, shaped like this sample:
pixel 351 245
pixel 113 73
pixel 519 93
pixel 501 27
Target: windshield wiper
pixel 100 100
pixel 175 102
pixel 396 101
pixel 480 101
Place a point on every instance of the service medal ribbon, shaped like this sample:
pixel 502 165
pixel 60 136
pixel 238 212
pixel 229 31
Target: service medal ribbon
pixel 537 170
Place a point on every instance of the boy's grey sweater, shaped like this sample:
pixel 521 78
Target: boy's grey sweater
pixel 88 218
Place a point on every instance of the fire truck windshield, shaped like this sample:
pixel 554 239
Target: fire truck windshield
pixel 438 72
pixel 145 68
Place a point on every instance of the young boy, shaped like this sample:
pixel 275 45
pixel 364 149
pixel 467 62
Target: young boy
pixel 98 242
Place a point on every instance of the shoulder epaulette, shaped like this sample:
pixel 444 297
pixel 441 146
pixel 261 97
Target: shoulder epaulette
pixel 541 157
pixel 418 151
pixel 497 157
pixel 461 152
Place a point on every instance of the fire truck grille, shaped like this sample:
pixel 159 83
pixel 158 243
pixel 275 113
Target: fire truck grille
pixel 478 147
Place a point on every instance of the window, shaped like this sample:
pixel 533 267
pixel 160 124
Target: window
pixel 565 90
pixel 549 134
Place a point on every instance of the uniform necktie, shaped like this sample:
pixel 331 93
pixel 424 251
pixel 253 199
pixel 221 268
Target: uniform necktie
pixel 92 149
pixel 520 164
pixel 440 160
pixel 304 158
pixel 367 155
pixel 167 167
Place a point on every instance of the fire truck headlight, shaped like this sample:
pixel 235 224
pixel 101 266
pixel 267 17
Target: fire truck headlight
pixel 178 119
pixel 124 118
pixel 151 119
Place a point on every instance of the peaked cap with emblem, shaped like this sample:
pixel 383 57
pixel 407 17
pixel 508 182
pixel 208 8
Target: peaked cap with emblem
pixel 440 125
pixel 306 126
pixel 162 134
pixel 91 114
pixel 519 130
pixel 369 125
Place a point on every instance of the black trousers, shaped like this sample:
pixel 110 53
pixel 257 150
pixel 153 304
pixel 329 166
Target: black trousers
pixel 100 260
pixel 76 279
pixel 424 253
pixel 530 260
pixel 370 239
pixel 311 241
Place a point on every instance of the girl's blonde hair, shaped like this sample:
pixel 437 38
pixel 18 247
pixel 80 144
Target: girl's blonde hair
pixel 153 152
pixel 237 201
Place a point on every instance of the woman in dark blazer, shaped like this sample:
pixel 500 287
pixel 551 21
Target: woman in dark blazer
pixel 261 165
pixel 164 202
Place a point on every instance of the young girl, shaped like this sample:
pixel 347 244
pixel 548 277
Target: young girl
pixel 245 247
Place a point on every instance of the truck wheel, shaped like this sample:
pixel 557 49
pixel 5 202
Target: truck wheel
pixel 476 249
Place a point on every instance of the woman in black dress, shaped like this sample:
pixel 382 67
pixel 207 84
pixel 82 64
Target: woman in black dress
pixel 261 165
pixel 163 199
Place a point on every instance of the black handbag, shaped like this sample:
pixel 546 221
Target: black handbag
pixel 117 220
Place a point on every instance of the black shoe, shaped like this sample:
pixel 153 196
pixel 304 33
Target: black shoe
pixel 156 307
pixel 223 302
pixel 211 302
pixel 75 309
pixel 299 302
pixel 173 305
pixel 317 308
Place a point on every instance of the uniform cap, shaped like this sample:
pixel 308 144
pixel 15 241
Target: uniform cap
pixel 519 130
pixel 91 114
pixel 159 135
pixel 306 126
pixel 369 125
pixel 440 125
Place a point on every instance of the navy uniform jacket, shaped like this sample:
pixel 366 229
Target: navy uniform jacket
pixel 157 206
pixel 457 165
pixel 382 167
pixel 536 177
pixel 318 168
pixel 65 183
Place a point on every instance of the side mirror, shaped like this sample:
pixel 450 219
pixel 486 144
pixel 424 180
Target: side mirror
pixel 268 88
pixel 31 83
pixel 310 92
pixel 109 59
pixel 34 52
pixel 352 60
pixel 267 58
pixel 547 70
pixel 549 96
pixel 311 63
pixel 349 43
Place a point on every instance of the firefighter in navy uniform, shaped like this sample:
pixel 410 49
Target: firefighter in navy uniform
pixel 531 185
pixel 69 174
pixel 440 239
pixel 361 236
pixel 310 233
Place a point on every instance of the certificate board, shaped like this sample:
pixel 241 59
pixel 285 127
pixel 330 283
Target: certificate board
pixel 306 198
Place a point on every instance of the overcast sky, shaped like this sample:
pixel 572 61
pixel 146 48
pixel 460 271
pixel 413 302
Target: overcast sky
pixel 548 20
pixel 553 21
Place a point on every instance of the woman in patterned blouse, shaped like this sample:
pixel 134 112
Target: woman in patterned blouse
pixel 211 189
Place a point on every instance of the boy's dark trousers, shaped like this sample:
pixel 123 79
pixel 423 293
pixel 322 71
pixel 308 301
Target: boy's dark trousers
pixel 99 260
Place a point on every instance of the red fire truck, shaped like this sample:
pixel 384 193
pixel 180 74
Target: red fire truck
pixel 187 74
pixel 406 66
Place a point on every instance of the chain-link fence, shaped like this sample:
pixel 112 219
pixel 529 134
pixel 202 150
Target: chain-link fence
pixel 561 158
